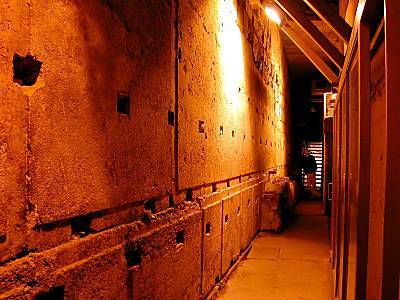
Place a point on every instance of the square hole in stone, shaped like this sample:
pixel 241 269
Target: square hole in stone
pixel 171 203
pixel 26 69
pixel 214 187
pixel 133 257
pixel 56 293
pixel 217 280
pixel 151 205
pixel 202 127
pixel 221 130
pixel 180 237
pixel 80 225
pixel 171 118
pixel 226 219
pixel 189 195
pixel 123 104
pixel 208 228
pixel 233 134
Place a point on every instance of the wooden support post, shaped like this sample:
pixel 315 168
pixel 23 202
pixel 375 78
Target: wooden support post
pixel 391 249
pixel 364 156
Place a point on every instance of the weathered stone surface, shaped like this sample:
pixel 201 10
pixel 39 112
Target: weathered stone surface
pixel 76 169
pixel 169 268
pixel 84 153
pixel 14 38
pixel 212 222
pixel 242 110
pixel 246 217
pixel 231 232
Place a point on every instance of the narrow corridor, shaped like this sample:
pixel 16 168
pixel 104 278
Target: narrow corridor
pixel 144 145
pixel 291 265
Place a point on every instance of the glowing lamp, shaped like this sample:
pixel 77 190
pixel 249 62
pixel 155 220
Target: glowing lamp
pixel 273 15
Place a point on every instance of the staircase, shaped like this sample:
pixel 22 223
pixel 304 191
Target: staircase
pixel 317 150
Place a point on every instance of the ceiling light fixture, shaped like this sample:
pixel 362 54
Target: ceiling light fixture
pixel 273 15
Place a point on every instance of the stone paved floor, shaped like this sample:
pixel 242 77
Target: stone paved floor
pixel 291 265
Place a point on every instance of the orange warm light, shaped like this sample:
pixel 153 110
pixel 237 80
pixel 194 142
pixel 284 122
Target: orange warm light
pixel 273 15
pixel 231 55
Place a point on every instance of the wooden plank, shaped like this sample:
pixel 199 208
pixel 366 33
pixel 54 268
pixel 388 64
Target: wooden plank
pixel 331 18
pixel 351 47
pixel 391 248
pixel 371 10
pixel 292 8
pixel 364 140
pixel 328 73
pixel 378 36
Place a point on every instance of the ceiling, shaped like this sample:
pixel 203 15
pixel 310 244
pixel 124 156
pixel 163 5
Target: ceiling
pixel 299 64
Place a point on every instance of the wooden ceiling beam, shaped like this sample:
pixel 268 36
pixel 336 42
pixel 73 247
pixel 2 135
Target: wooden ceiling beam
pixel 306 48
pixel 331 18
pixel 292 8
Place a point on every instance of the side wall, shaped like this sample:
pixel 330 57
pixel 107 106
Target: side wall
pixel 160 200
pixel 366 207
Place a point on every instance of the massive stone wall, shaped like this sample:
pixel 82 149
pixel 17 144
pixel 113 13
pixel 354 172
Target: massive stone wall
pixel 133 165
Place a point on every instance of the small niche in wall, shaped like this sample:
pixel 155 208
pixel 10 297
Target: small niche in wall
pixel 226 219
pixel 133 257
pixel 244 136
pixel 3 238
pixel 228 184
pixel 217 280
pixel 233 134
pixel 248 202
pixel 221 130
pixel 123 104
pixel 202 127
pixel 171 203
pixel 256 110
pixel 26 69
pixel 214 187
pixel 80 226
pixel 150 205
pixel 56 293
pixel 208 228
pixel 260 141
pixel 238 211
pixel 189 195
pixel 180 237
pixel 171 118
